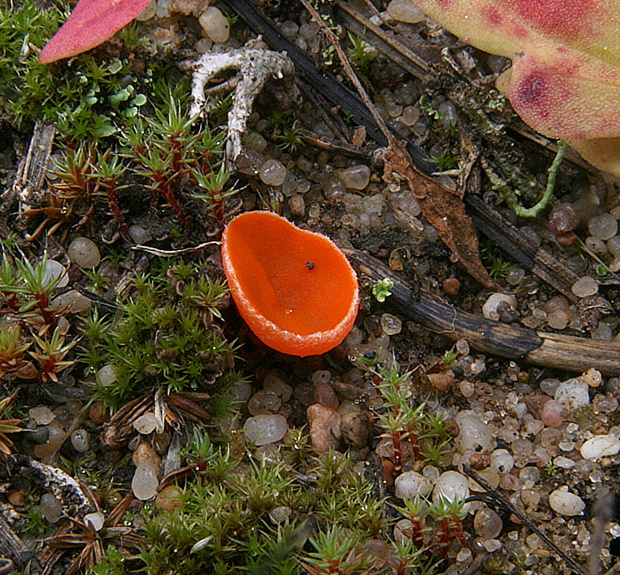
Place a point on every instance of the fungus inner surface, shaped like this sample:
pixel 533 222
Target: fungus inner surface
pixel 296 279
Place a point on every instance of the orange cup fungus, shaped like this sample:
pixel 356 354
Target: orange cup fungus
pixel 295 289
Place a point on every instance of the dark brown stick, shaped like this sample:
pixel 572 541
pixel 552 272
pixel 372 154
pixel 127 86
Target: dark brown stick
pixel 514 342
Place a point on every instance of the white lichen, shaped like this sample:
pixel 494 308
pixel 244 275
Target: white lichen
pixel 254 67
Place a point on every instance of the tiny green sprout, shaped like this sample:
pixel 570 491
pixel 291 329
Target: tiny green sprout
pixel 449 357
pixel 445 160
pixel 429 109
pixel 550 468
pixel 382 289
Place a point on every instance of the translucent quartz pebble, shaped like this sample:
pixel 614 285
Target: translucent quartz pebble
pixel 41 415
pixel 600 446
pixel 53 270
pixel 51 508
pixel 551 413
pixel 452 486
pixel 146 423
pixel 215 24
pixel 106 375
pixel 264 429
pixel 96 519
pixel 503 461
pixel 356 177
pixel 411 483
pixel 573 393
pixel 585 286
pixel 474 434
pixel 84 253
pixel 265 401
pixel 272 173
pixel 148 12
pixel 490 307
pixel 139 234
pixel 275 384
pixel 487 523
pixel 390 324
pixel 405 11
pixel 145 482
pixel 564 502
pixel 80 440
pixel 280 514
pixel 603 227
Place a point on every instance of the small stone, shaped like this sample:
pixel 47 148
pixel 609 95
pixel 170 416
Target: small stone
pixel 96 519
pixel 563 462
pixel 356 177
pixel 503 461
pixel 451 287
pixel 98 412
pixel 169 498
pixel 139 234
pixel 573 393
pixel 487 523
pixel 390 324
pixel 56 437
pixel 405 11
pixel 53 270
pixel 549 385
pixel 146 423
pixel 551 413
pixel 265 429
pixel 107 375
pixel 274 383
pixel 564 502
pixel 452 486
pixel 145 453
pixel 280 515
pixel 71 302
pixel 411 483
pixel 613 246
pixel 530 498
pixel 603 227
pixel 563 218
pixel 325 430
pixel 603 332
pixel 596 246
pixel 474 434
pixel 272 173
pixel 356 428
pixel 298 205
pixel 41 415
pixel 215 24
pixel 592 377
pixel 585 287
pixel 490 309
pixel 84 252
pixel 492 545
pixel 600 446
pixel 265 401
pixel 145 482
pixel 441 381
pixel 80 440
pixel 325 395
pixel 148 12
pixel 515 276
pixel 558 319
pixel 51 508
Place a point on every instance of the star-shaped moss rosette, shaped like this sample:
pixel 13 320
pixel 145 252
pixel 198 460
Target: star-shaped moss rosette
pixel 565 75
pixel 90 24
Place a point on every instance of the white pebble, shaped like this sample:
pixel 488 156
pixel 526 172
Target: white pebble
pixel 145 482
pixel 215 24
pixel 80 440
pixel 272 173
pixel 405 11
pixel 139 234
pixel 51 508
pixel 96 519
pixel 600 446
pixel 41 415
pixel 564 502
pixel 572 393
pixel 356 177
pixel 474 434
pixel 264 429
pixel 603 227
pixel 107 374
pixel 502 460
pixel 585 286
pixel 489 309
pixel 53 270
pixel 84 253
pixel 411 483
pixel 452 486
pixel 146 423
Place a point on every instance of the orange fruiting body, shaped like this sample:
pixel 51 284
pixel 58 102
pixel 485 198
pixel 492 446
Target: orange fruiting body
pixel 295 289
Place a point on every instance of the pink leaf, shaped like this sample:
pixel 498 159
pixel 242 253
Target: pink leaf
pixel 91 23
pixel 565 77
